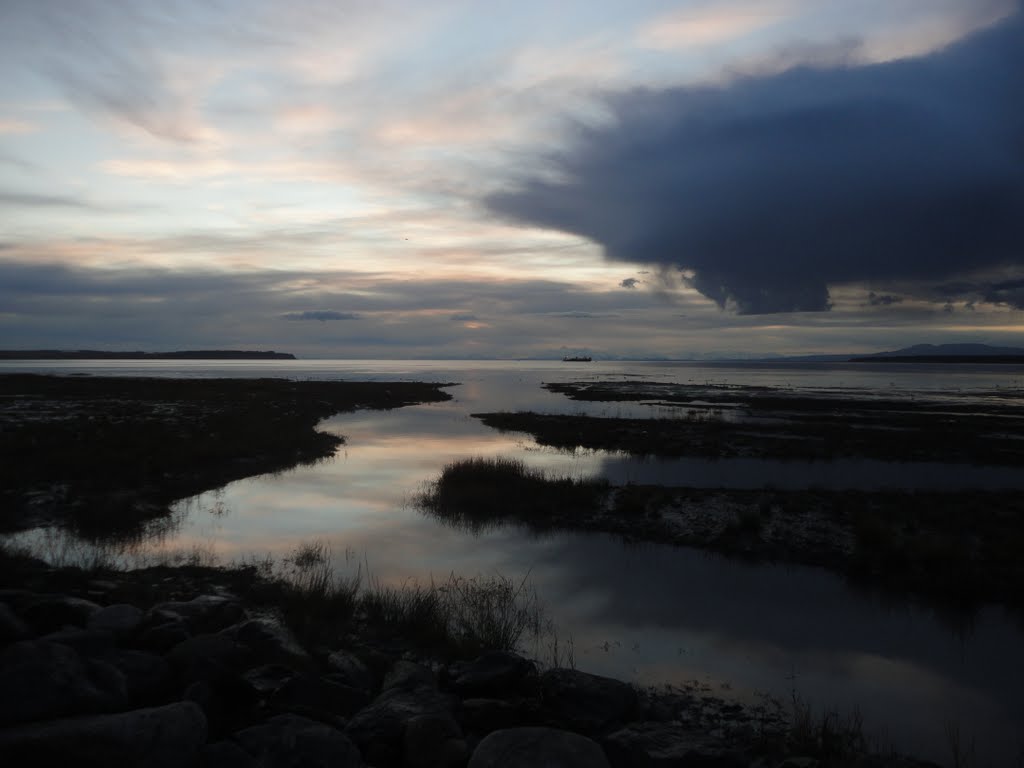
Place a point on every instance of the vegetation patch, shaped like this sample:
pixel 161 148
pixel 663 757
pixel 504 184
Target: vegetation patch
pixel 479 492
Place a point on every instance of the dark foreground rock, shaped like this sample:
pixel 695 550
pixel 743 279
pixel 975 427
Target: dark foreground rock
pixel 209 679
pixel 162 737
pixel 533 747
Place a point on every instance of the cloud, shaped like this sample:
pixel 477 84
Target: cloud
pixel 883 300
pixel 322 315
pixel 629 282
pixel 14 127
pixel 770 189
pixel 464 317
pixel 29 200
pixel 579 315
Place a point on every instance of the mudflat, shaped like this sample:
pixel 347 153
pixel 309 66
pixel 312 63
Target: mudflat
pixel 104 454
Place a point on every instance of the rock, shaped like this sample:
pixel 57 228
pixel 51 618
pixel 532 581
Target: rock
pixel 799 762
pixel 228 704
pixel 354 671
pixel 495 675
pixel 208 657
pixel 47 613
pixel 267 678
pixel 162 737
pixel 40 680
pixel 290 741
pixel 586 703
pixel 12 628
pixel 434 741
pixel 379 729
pixel 88 642
pixel 409 675
pixel 206 613
pixel 147 676
pixel 271 642
pixel 163 637
pixel 318 698
pixel 662 744
pixel 537 748
pixel 485 715
pixel 122 619
pixel 225 754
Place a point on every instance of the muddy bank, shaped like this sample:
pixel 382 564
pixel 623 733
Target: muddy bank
pixel 978 440
pixel 103 454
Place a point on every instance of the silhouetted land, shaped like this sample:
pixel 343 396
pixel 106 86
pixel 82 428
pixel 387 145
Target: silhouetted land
pixel 105 454
pixel 92 354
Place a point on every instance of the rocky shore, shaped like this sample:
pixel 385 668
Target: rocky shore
pixel 192 672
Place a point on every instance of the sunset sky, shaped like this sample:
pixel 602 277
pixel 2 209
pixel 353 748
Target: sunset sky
pixel 511 179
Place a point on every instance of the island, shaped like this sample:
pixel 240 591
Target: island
pixel 93 354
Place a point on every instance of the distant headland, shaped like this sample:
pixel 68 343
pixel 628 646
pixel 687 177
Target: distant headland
pixel 92 354
pixel 947 353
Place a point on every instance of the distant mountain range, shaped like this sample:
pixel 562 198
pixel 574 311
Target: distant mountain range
pixel 93 354
pixel 923 353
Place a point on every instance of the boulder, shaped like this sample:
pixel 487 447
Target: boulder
pixel 409 676
pixel 210 657
pixel 537 747
pixel 147 676
pixel 353 671
pixel 586 703
pixel 379 729
pixel 88 642
pixel 662 745
pixel 318 698
pixel 271 642
pixel 160 638
pixel 496 675
pixel 481 716
pixel 162 737
pixel 122 619
pixel 225 754
pixel 434 741
pixel 48 613
pixel 206 613
pixel 12 627
pixel 267 678
pixel 290 741
pixel 41 680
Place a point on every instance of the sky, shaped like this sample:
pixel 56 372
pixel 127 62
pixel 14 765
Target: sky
pixel 453 179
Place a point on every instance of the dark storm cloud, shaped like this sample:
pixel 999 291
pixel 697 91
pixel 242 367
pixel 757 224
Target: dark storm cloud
pixel 323 315
pixel 768 190
pixel 629 282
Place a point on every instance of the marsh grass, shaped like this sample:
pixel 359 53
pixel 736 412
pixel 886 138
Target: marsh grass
pixel 319 597
pixel 826 734
pixel 457 616
pixel 479 492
